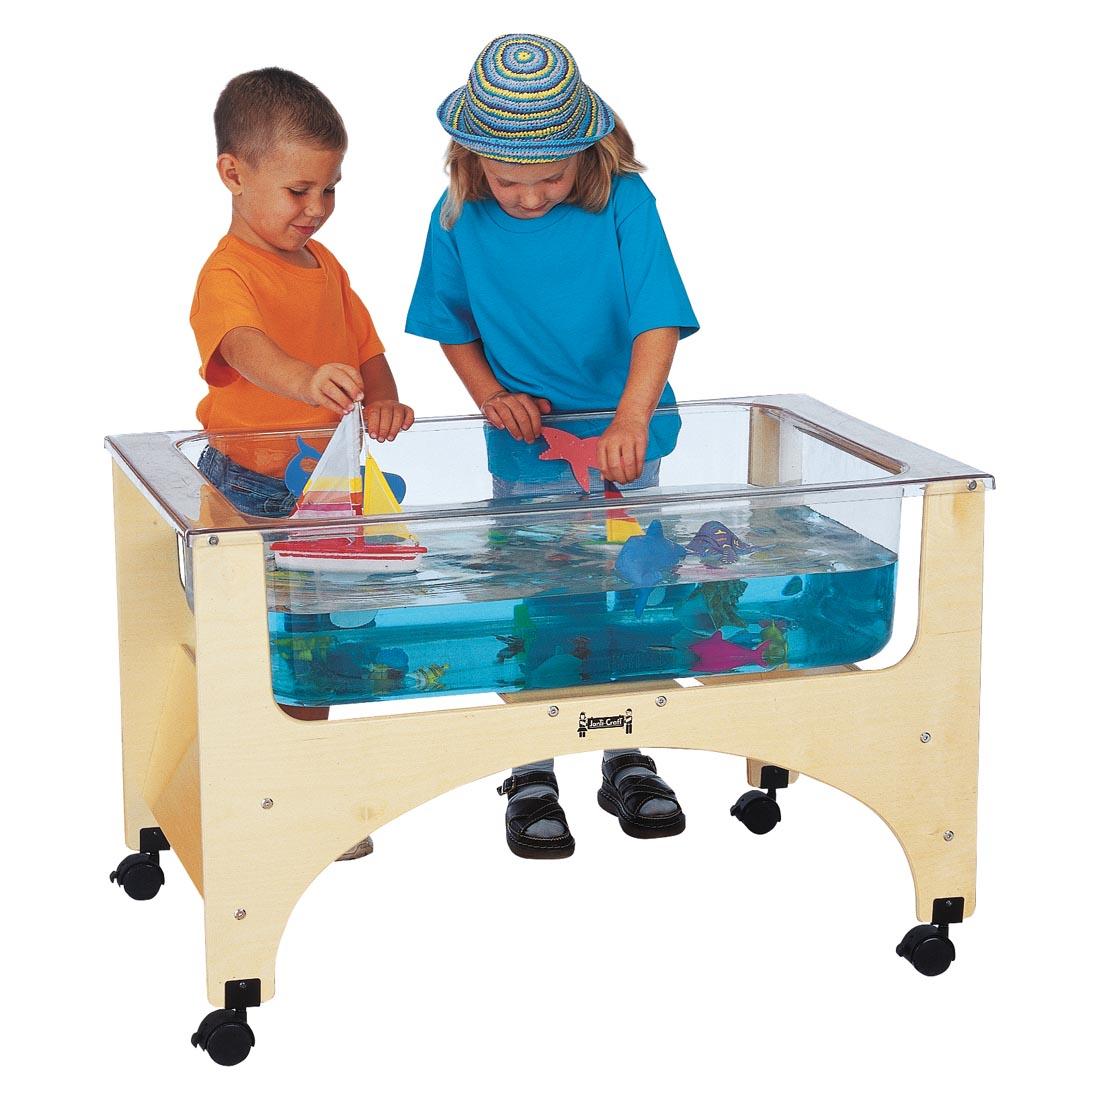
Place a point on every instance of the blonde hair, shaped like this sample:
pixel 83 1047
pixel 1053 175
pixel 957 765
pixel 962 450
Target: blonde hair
pixel 611 156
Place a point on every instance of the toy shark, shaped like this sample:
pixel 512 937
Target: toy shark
pixel 579 453
pixel 645 559
pixel 715 654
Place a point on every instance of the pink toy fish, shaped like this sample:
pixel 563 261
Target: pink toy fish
pixel 579 453
pixel 715 654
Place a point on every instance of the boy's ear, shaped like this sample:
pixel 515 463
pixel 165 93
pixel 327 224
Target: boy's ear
pixel 229 171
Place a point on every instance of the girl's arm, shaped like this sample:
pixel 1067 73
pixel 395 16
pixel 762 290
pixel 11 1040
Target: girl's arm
pixel 385 414
pixel 621 450
pixel 519 414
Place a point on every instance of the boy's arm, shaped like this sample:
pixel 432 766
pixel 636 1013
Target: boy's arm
pixel 385 414
pixel 257 357
pixel 519 414
pixel 622 446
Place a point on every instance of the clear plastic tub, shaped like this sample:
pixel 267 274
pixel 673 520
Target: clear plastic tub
pixel 763 536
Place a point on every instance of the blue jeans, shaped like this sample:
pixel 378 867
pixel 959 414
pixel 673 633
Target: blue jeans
pixel 249 492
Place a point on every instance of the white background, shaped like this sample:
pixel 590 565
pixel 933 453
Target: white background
pixel 890 206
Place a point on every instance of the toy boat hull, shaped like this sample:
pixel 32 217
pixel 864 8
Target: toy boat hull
pixel 343 555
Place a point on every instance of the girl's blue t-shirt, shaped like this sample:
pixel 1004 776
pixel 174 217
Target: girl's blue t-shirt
pixel 558 300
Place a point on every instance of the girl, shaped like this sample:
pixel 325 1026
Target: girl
pixel 549 283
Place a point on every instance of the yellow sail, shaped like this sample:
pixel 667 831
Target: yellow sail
pixel 621 525
pixel 619 530
pixel 378 500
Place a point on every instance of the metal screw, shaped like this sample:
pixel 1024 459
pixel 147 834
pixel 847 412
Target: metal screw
pixel 240 914
pixel 213 540
pixel 267 803
pixel 661 700
pixel 926 737
pixel 949 835
pixel 971 485
pixel 552 711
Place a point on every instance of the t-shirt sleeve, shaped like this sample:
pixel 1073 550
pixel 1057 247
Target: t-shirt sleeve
pixel 222 303
pixel 366 335
pixel 655 292
pixel 440 308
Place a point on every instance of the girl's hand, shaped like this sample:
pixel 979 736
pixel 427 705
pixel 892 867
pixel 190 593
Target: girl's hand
pixel 519 414
pixel 621 449
pixel 334 386
pixel 384 419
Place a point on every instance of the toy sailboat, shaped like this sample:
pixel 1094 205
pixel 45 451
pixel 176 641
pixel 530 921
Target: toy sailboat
pixel 347 481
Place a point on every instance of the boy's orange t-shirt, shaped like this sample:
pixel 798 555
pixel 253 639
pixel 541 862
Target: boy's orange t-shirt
pixel 311 313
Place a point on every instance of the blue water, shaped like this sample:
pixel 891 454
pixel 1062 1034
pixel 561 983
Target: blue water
pixel 542 607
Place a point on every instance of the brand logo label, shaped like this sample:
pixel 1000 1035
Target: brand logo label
pixel 624 721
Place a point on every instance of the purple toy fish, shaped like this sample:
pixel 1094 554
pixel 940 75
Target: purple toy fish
pixel 716 542
pixel 715 654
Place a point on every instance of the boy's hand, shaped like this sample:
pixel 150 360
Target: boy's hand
pixel 621 449
pixel 334 386
pixel 519 414
pixel 384 419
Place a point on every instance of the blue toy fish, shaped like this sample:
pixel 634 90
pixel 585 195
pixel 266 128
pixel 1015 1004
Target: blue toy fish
pixel 296 475
pixel 644 561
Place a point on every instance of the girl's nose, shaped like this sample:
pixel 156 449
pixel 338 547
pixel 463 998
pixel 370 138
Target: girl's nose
pixel 532 200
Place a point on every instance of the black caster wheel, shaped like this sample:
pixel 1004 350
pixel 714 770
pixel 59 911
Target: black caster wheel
pixel 225 1036
pixel 140 875
pixel 758 811
pixel 928 949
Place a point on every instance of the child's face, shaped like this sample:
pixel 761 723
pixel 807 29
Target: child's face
pixel 279 203
pixel 530 190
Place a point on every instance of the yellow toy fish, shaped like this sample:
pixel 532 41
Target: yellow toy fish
pixel 430 678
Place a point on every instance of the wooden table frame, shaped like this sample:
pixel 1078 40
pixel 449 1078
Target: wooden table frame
pixel 256 804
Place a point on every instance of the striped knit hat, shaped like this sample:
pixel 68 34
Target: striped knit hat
pixel 525 103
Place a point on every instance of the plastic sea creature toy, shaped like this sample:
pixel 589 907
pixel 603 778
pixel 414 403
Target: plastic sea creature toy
pixel 715 654
pixel 721 598
pixel 342 485
pixel 513 647
pixel 774 634
pixel 716 542
pixel 579 453
pixel 644 561
pixel 430 678
pixel 556 671
pixel 296 475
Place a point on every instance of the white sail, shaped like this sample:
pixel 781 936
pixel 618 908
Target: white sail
pixel 335 488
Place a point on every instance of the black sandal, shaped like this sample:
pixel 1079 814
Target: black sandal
pixel 624 797
pixel 524 810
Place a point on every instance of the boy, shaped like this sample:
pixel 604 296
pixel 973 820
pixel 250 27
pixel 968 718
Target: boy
pixel 284 340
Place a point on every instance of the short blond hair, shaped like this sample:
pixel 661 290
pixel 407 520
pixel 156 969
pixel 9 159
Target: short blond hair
pixel 612 156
